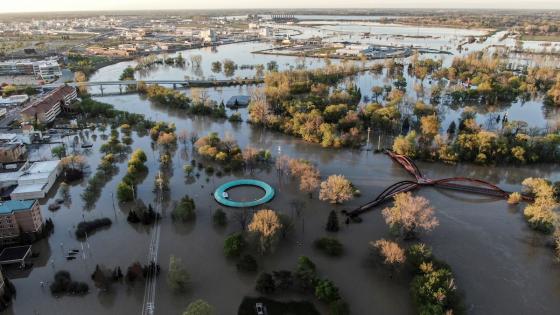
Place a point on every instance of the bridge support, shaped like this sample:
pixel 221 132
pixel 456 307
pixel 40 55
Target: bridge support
pixel 101 89
pixel 120 88
pixel 174 86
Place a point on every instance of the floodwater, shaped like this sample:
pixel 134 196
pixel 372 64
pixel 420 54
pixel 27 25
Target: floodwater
pixel 501 265
pixel 486 242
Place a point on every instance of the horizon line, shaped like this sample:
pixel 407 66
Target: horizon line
pixel 287 8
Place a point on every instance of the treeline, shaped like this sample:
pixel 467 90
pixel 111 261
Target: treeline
pixel 199 104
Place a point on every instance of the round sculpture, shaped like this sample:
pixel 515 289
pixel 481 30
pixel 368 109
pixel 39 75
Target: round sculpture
pixel 222 197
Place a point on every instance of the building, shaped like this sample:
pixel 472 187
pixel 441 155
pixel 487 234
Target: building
pixel 31 181
pixel 19 217
pixel 45 109
pixel 208 36
pixel 13 100
pixel 12 152
pixel 42 69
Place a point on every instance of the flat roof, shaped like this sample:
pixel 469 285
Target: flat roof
pixel 10 206
pixel 22 189
pixel 43 166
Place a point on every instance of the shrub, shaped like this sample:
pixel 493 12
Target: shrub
pixel 247 263
pixel 63 284
pixel 329 246
pixel 184 211
pixel 332 222
pixel 326 291
pixel 514 198
pixel 234 245
pixel 339 307
pixel 199 307
pixel 219 218
pixel 265 283
pixel 86 228
pixel 434 291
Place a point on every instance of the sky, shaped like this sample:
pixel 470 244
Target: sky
pixel 8 6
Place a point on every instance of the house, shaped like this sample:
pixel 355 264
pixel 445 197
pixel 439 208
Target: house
pixel 19 217
pixel 12 152
pixel 46 108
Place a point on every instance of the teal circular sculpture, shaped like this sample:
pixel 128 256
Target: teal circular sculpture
pixel 221 194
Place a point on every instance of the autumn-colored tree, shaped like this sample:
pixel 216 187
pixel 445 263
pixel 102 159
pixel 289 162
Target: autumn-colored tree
pixel 309 180
pixel 392 254
pixel 541 214
pixel 336 189
pixel 199 307
pixel 74 162
pixel 514 198
pixel 406 145
pixel 429 126
pixel 409 214
pixel 266 224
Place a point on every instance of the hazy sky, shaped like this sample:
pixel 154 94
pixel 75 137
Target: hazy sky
pixel 77 5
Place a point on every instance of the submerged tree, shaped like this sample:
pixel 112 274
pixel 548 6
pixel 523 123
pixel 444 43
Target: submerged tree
pixel 336 189
pixel 266 224
pixel 541 213
pixel 392 254
pixel 199 307
pixel 178 277
pixel 332 222
pixel 409 214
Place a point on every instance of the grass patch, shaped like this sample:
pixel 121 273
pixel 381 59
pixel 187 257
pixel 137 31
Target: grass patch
pixel 273 307
pixel 544 38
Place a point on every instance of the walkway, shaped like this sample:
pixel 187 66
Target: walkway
pixel 464 184
pixel 221 193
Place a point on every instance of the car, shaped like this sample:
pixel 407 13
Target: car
pixel 261 310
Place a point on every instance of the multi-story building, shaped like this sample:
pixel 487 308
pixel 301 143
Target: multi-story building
pixel 45 109
pixel 19 217
pixel 43 69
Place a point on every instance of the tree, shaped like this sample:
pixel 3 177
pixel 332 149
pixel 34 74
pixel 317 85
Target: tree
pixel 392 254
pixel 305 273
pixel 409 214
pixel 265 283
pixel 234 245
pixel 125 192
pixel 178 277
pixel 326 291
pixel 265 224
pixel 332 222
pixel 219 218
pixel 185 210
pixel 247 263
pixel 336 189
pixel 188 169
pixel 339 307
pixel 541 214
pixel 199 307
pixel 329 246
pixel 59 151
pixel 406 145
pixel 514 198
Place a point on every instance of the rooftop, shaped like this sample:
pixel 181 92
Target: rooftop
pixel 15 205
pixel 48 101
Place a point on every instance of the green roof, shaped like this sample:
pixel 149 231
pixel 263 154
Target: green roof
pixel 15 205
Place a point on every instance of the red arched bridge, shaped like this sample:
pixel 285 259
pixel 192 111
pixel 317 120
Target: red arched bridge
pixel 464 184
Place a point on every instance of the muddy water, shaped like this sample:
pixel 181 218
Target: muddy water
pixel 501 265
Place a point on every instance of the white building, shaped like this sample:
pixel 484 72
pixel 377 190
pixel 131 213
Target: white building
pixel 208 36
pixel 43 69
pixel 33 182
pixel 13 100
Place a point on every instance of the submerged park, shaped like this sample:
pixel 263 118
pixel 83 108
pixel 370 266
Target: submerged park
pixel 412 185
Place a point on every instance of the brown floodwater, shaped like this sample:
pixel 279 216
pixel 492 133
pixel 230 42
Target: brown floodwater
pixel 502 266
